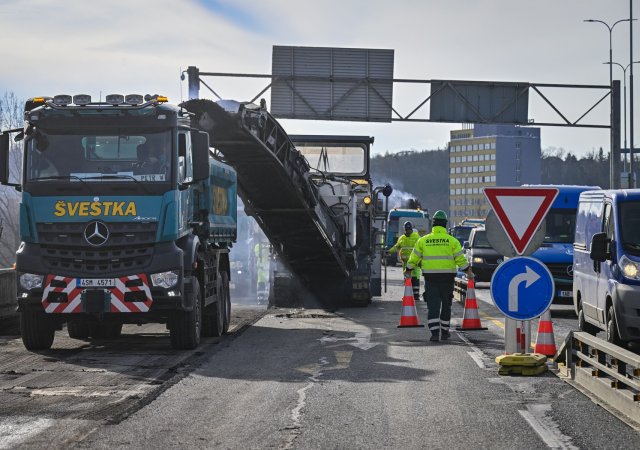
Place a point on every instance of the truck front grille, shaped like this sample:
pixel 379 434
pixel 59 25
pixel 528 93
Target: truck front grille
pixel 561 271
pixel 64 248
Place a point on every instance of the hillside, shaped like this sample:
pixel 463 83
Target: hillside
pixel 425 174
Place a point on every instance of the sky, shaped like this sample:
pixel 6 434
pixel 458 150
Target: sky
pixel 141 46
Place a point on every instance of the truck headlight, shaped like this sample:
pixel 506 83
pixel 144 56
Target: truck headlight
pixel 165 279
pixel 629 268
pixel 31 281
pixel 478 259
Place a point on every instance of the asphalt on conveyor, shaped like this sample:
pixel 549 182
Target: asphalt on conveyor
pixel 310 379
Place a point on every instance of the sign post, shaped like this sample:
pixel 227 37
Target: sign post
pixel 521 287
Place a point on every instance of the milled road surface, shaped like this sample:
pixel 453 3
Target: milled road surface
pixel 311 379
pixel 53 398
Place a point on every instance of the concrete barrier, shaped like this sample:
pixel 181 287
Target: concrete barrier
pixel 8 301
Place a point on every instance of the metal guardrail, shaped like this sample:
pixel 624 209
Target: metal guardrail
pixel 460 289
pixel 609 372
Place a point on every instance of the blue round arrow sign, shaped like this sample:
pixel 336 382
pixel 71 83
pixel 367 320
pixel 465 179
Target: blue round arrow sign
pixel 522 288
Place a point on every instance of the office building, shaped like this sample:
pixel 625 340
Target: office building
pixel 489 155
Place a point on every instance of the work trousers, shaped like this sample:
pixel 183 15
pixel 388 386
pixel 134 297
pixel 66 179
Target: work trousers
pixel 438 294
pixel 415 284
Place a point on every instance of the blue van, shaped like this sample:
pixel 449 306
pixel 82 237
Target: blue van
pixel 606 285
pixel 556 252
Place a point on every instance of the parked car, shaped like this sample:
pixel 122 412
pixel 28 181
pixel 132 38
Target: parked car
pixel 482 257
pixel 606 269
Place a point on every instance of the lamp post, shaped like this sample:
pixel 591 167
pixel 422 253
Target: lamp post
pixel 624 96
pixel 613 164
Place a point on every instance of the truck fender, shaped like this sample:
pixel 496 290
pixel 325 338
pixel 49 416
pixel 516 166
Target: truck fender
pixel 189 246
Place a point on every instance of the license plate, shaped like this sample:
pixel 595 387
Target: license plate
pixel 565 294
pixel 95 282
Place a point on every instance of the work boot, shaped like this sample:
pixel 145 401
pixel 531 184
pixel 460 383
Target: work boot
pixel 435 337
pixel 445 334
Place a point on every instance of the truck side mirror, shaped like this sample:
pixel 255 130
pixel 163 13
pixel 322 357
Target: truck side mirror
pixel 466 245
pixel 4 158
pixel 200 152
pixel 599 247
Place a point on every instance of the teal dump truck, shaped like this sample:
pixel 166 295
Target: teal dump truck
pixel 126 217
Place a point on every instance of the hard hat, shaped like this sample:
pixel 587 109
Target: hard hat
pixel 440 215
pixel 408 225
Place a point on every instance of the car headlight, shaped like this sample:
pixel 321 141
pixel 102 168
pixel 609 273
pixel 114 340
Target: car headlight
pixel 31 281
pixel 165 279
pixel 478 259
pixel 629 268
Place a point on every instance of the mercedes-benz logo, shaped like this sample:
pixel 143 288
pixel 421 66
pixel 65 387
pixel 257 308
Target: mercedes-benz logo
pixel 96 233
pixel 570 270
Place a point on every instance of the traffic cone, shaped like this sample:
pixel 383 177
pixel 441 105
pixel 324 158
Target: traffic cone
pixel 409 316
pixel 470 317
pixel 545 342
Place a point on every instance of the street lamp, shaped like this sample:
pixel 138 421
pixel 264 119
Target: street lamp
pixel 613 176
pixel 624 96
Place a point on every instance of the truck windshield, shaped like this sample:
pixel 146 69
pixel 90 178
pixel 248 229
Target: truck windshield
pixel 560 226
pixel 480 240
pixel 630 226
pixel 462 233
pixel 95 157
pixel 345 160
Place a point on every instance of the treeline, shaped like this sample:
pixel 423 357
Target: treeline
pixel 425 174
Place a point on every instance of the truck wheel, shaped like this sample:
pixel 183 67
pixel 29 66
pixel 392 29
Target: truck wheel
pixel 226 322
pixel 78 329
pixel 186 325
pixel 36 329
pixel 612 329
pixel 583 325
pixel 213 319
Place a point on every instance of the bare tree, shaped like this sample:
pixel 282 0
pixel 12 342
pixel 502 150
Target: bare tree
pixel 10 117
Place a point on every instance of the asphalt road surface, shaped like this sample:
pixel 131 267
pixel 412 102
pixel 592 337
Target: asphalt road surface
pixel 305 379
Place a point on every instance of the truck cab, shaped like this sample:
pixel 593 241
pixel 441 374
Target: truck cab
pixel 124 218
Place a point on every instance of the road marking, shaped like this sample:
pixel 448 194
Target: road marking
pixel 478 359
pixel 343 360
pixel 492 319
pixel 362 338
pixel 548 430
pixel 15 430
pixel 476 354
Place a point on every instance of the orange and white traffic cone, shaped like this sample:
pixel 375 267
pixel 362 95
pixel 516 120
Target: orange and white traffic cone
pixel 409 316
pixel 470 317
pixel 545 342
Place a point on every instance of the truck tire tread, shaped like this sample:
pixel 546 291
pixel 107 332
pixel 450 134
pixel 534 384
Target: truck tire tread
pixel 36 330
pixel 186 326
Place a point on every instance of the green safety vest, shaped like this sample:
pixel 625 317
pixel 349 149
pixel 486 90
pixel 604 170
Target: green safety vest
pixel 405 244
pixel 437 253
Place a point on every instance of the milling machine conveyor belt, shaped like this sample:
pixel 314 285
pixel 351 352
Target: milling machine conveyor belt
pixel 273 182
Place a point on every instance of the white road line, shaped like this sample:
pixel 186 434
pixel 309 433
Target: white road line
pixel 15 430
pixel 476 354
pixel 478 359
pixel 536 416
